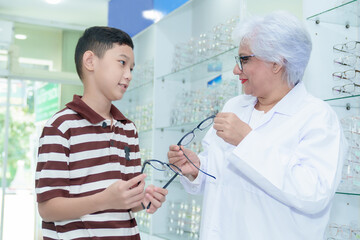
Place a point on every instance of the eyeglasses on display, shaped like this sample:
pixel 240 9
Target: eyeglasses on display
pixel 347 75
pixel 242 59
pixel 343 231
pixel 187 138
pixel 350 60
pixel 350 88
pixel 346 47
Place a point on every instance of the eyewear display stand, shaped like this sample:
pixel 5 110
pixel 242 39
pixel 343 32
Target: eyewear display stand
pixel 183 74
pixel 335 32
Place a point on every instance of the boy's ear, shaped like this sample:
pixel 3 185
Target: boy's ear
pixel 88 60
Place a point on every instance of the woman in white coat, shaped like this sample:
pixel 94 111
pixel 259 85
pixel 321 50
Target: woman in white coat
pixel 276 152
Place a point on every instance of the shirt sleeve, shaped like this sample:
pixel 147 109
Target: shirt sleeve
pixel 52 172
pixel 307 177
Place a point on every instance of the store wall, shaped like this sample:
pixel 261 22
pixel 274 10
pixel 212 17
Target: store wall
pixel 318 75
pixel 260 7
pixel 208 13
pixel 67 93
pixel 69 41
pixel 41 43
pixel 56 45
pixel 337 24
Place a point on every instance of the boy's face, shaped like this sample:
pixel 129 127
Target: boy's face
pixel 113 71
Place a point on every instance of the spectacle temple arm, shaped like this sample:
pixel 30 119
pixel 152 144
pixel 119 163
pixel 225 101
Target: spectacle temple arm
pixel 197 167
pixel 172 179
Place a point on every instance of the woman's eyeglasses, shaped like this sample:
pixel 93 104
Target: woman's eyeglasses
pixel 242 59
pixel 187 138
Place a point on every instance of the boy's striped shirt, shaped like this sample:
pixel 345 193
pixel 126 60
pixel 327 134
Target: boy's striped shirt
pixel 81 154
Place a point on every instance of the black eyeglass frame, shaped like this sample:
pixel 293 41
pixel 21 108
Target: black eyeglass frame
pixel 169 165
pixel 193 133
pixel 239 59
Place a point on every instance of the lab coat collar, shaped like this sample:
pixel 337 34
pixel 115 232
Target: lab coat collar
pixel 288 105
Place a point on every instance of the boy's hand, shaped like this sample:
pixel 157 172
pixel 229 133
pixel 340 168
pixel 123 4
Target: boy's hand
pixel 156 196
pixel 124 194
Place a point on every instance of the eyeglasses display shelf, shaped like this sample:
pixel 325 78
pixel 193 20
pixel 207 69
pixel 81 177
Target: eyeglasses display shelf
pixel 345 14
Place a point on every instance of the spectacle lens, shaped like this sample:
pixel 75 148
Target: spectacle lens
pixel 161 166
pixel 187 139
pixel 157 165
pixel 206 123
pixel 349 88
pixel 350 45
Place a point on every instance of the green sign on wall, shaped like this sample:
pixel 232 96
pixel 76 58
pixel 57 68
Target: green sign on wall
pixel 47 101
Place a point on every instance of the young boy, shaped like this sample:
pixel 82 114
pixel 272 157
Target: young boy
pixel 88 180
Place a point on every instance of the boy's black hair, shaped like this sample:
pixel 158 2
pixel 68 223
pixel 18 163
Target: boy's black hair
pixel 98 40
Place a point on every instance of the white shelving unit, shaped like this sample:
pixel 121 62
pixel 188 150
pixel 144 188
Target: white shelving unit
pixel 329 26
pixel 168 96
pixel 160 85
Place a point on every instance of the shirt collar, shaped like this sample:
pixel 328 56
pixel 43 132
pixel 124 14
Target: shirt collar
pixel 89 114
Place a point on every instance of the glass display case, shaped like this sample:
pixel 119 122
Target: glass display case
pixel 345 14
pixel 187 75
pixel 342 23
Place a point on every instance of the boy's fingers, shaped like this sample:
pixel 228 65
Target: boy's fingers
pixel 152 190
pixel 137 198
pixel 162 191
pixel 157 196
pixel 136 203
pixel 135 180
pixel 137 189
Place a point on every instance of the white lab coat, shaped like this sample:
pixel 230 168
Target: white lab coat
pixel 278 183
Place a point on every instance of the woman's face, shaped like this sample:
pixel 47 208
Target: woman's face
pixel 256 76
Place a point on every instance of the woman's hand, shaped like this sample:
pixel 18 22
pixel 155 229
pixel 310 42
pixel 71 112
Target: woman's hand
pixel 176 157
pixel 230 128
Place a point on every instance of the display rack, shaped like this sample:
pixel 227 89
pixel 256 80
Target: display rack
pixel 168 87
pixel 345 14
pixel 346 203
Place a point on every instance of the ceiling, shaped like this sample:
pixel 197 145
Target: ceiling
pixel 68 14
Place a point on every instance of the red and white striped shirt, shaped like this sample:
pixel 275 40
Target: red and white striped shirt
pixel 81 154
